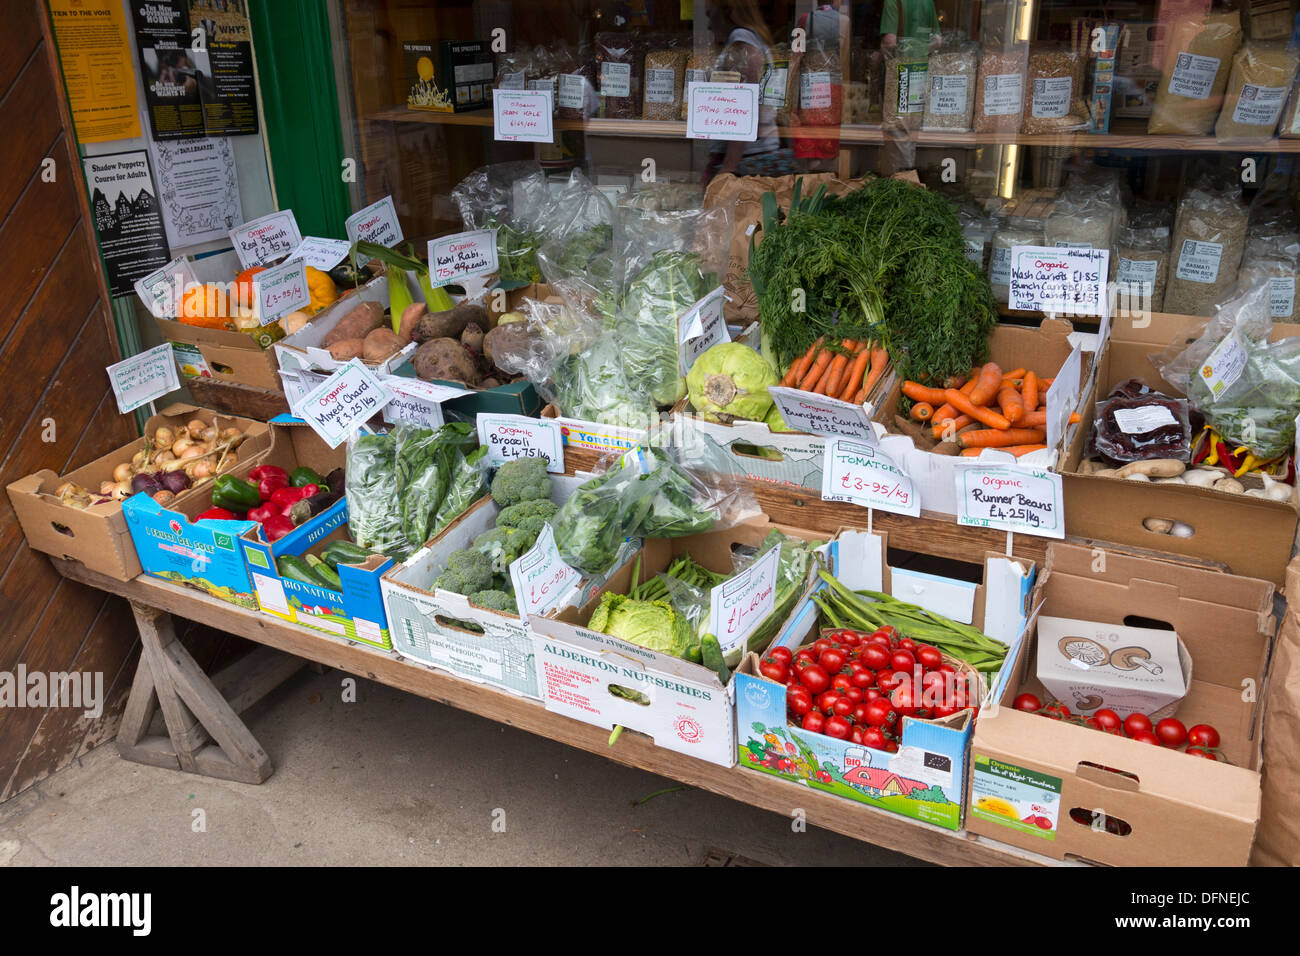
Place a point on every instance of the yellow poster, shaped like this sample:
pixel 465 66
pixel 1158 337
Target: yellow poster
pixel 97 68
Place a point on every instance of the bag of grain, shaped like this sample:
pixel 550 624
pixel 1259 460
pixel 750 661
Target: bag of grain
pixel 665 65
pixel 1140 266
pixel 1054 90
pixel 951 73
pixel 1197 60
pixel 1262 73
pixel 1000 89
pixel 1209 235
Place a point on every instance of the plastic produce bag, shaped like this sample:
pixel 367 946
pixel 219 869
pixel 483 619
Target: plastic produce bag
pixel 374 517
pixel 579 235
pixel 514 199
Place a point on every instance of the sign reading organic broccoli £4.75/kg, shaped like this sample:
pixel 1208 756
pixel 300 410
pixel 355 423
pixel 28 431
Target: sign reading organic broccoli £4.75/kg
pixel 507 437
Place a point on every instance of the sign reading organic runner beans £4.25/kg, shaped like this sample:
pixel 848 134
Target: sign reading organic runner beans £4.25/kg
pixel 1011 498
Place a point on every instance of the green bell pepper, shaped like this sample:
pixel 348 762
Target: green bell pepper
pixel 303 476
pixel 234 494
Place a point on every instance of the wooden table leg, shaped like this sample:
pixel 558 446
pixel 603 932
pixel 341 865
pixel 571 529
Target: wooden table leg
pixel 194 710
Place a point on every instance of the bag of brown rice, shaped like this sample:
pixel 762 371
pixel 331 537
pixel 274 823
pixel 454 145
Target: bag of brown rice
pixel 1198 58
pixel 1209 235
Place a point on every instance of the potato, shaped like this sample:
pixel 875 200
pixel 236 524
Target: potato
pixel 445 359
pixel 380 344
pixel 450 324
pixel 346 349
pixel 515 339
pixel 411 316
pixel 361 320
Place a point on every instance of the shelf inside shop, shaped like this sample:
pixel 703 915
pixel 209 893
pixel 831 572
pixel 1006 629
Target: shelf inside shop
pixel 1126 136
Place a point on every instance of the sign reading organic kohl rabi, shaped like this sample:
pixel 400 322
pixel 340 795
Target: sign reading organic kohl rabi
pixel 466 255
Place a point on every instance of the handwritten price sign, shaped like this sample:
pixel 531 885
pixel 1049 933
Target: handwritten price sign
pixel 161 290
pixel 821 415
pixel 700 328
pixel 462 256
pixel 322 254
pixel 522 116
pixel 739 604
pixel 1011 498
pixel 280 290
pixel 722 111
pixel 541 578
pixel 143 377
pixel 266 239
pixel 344 401
pixel 507 437
pixel 862 474
pixel 375 223
pixel 1065 281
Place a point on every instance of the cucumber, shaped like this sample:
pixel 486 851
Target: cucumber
pixel 326 574
pixel 344 552
pixel 694 655
pixel 712 652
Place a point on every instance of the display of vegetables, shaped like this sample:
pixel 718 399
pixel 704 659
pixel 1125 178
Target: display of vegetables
pixel 847 370
pixel 277 500
pixel 1202 740
pixel 321 569
pixel 173 461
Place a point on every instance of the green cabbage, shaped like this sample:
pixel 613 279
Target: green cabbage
pixel 730 381
pixel 650 624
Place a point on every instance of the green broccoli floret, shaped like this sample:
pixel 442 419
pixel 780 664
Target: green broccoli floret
pixel 524 479
pixel 504 545
pixel 528 515
pixel 467 571
pixel 494 600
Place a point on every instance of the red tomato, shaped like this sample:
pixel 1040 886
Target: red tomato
pixel 881 639
pixel 874 693
pixel 940 712
pixel 859 714
pixel 874 738
pixel 1171 732
pixel 891 746
pixel 1206 752
pixel 851 638
pixel 855 735
pixel 782 654
pixel 905 700
pixel 825 701
pixel 798 700
pixel 907 644
pixel 875 657
pixel 947 668
pixel 774 670
pixel 1135 724
pixel 863 678
pixel 815 678
pixel 1203 735
pixel 854 694
pixel 1028 703
pixel 857 667
pixel 837 727
pixel 1057 711
pixel 1107 720
pixel 843 706
pixel 1146 737
pixel 841 683
pixel 813 721
pixel 833 659
pixel 930 657
pixel 902 660
pixel 820 645
pixel 888 680
pixel 880 712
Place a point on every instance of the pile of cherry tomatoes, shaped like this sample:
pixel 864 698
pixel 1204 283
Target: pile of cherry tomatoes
pixel 1202 740
pixel 858 686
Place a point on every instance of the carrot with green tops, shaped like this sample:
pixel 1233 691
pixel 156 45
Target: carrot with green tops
pixel 967 406
pixel 879 362
pixel 1029 392
pixel 801 364
pixel 1000 437
pixel 1011 404
pixel 853 380
pixel 821 362
pixel 921 393
pixel 986 389
pixel 826 386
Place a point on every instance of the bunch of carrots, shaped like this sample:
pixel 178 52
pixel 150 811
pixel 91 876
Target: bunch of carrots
pixel 1011 405
pixel 848 370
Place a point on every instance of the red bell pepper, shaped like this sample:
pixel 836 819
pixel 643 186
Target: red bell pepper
pixel 219 514
pixel 276 527
pixel 270 484
pixel 268 471
pixel 262 512
pixel 282 498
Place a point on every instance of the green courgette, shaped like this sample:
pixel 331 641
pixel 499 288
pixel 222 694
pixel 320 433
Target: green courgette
pixel 344 552
pixel 325 573
pixel 296 569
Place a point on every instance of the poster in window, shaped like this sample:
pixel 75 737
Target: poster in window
pixel 95 54
pixel 124 205
pixel 171 85
pixel 198 189
pixel 223 58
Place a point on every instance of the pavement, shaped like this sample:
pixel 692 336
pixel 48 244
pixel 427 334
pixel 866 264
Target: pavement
pixel 394 779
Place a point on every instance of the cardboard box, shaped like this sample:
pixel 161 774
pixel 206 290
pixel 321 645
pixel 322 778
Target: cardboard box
pixel 686 709
pixel 303 349
pixel 436 626
pixel 593 437
pixel 98 536
pixel 780 459
pixel 1069 791
pixel 448 76
pixel 1131 670
pixel 932 465
pixel 206 555
pixel 1135 93
pixel 926 779
pixel 1250 536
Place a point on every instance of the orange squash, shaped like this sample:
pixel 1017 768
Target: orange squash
pixel 244 291
pixel 322 290
pixel 205 306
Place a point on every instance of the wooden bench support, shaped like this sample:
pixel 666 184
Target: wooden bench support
pixel 200 714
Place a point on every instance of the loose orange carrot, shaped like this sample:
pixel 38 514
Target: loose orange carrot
pixel 1017 373
pixel 833 375
pixel 853 380
pixel 1043 385
pixel 947 430
pixel 800 366
pixel 997 438
pixel 1029 392
pixel 922 411
pixel 968 407
pixel 920 393
pixel 1016 450
pixel 860 396
pixel 1074 418
pixel 990 380
pixel 1013 407
pixel 1038 419
pixel 817 371
pixel 879 362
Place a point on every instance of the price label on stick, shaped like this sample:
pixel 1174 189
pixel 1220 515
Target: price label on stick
pixel 375 223
pixel 820 415
pixel 1011 498
pixel 466 255
pixel 700 328
pixel 522 116
pixel 739 604
pixel 280 290
pixel 507 437
pixel 416 402
pixel 142 378
pixel 343 402
pixel 322 254
pixel 861 474
pixel 266 239
pixel 541 578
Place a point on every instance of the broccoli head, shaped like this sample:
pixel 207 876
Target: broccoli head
pixel 468 570
pixel 504 545
pixel 523 479
pixel 528 515
pixel 494 600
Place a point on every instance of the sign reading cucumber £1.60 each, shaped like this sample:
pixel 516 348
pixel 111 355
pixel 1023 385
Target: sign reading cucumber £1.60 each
pixel 1010 498
pixel 699 328
pixel 541 578
pixel 280 290
pixel 861 474
pixel 142 378
pixel 507 437
pixel 344 402
pixel 466 255
pixel 742 602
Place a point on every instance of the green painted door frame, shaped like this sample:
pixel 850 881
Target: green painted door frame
pixel 295 68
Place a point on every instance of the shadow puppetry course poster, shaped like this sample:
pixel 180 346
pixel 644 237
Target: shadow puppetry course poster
pixel 124 204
